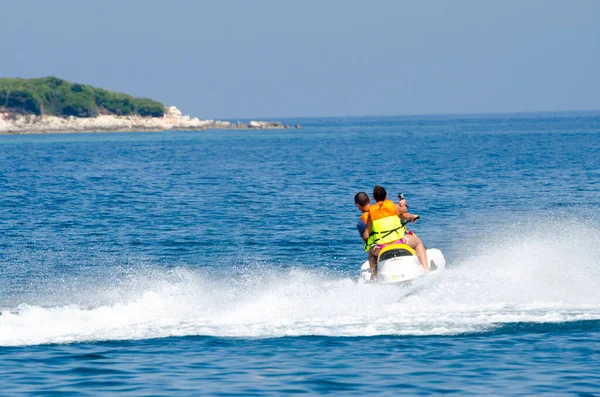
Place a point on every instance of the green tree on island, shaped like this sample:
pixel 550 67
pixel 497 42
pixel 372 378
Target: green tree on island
pixel 56 97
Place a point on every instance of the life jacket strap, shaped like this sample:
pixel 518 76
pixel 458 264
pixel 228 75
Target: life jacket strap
pixel 386 234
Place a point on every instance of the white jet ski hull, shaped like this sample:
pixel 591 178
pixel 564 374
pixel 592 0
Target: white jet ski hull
pixel 404 268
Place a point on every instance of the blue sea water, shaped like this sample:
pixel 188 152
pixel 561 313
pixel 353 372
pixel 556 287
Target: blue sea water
pixel 225 263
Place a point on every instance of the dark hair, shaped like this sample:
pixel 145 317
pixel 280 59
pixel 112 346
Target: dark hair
pixel 379 193
pixel 362 199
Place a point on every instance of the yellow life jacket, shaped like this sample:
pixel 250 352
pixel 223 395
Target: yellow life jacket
pixel 386 226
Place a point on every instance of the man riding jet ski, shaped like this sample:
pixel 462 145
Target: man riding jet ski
pixel 393 251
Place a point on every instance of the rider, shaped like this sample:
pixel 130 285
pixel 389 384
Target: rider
pixel 384 228
pixel 363 203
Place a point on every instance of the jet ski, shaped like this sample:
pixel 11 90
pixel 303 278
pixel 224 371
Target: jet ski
pixel 398 264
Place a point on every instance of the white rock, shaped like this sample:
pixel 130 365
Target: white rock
pixel 172 120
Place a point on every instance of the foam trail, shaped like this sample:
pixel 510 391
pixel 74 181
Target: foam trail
pixel 520 276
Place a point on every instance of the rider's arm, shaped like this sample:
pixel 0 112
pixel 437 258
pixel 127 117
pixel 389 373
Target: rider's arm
pixel 408 217
pixel 405 215
pixel 367 231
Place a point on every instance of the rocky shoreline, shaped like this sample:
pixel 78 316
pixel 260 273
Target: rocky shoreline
pixel 13 123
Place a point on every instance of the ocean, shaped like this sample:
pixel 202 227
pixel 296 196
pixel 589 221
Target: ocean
pixel 225 263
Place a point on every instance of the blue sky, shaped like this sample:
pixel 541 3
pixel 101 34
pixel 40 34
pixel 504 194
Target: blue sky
pixel 277 58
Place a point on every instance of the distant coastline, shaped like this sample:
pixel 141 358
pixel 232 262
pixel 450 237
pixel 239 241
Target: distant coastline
pixel 14 123
pixel 51 105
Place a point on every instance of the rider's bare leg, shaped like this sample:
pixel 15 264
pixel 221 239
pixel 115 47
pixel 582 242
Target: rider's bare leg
pixel 373 254
pixel 415 243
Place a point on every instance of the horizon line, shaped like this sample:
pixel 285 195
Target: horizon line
pixel 476 114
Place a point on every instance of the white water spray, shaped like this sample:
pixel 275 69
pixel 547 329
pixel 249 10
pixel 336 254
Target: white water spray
pixel 530 275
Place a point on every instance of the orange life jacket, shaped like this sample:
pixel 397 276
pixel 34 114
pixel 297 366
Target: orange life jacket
pixel 385 223
pixel 365 217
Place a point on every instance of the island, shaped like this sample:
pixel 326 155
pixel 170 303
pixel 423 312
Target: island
pixel 53 105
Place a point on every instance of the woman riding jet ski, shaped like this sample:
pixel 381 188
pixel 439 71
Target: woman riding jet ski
pixel 394 254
